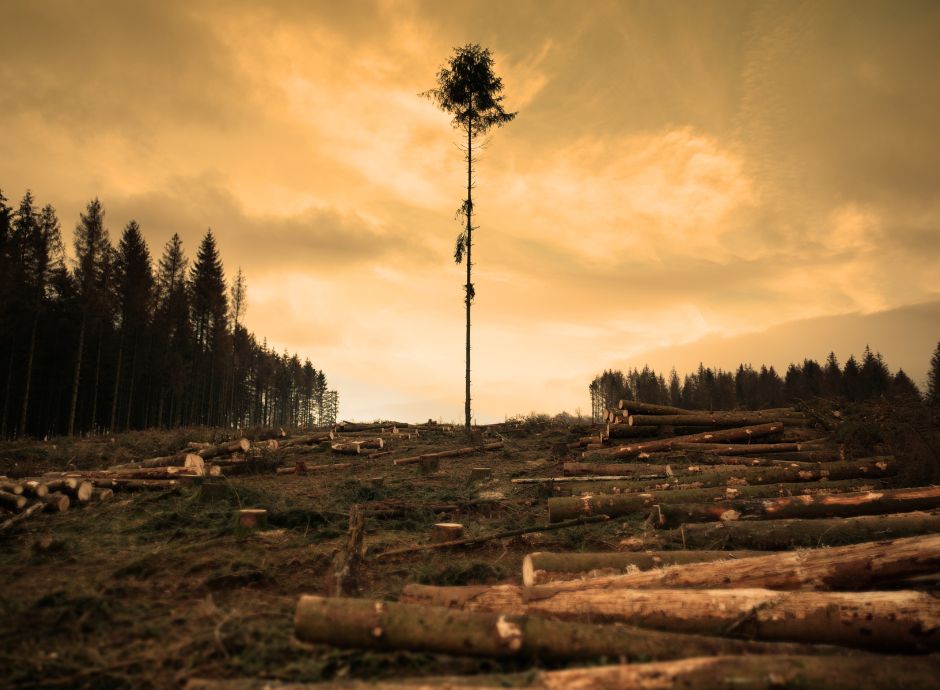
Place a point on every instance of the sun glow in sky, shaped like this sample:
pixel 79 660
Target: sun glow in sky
pixel 680 179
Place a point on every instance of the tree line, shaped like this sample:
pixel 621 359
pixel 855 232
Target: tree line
pixel 104 341
pixel 753 389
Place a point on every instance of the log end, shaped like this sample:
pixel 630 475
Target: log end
pixel 446 531
pixel 252 518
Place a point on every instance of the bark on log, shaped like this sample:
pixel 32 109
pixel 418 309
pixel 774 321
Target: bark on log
pixel 11 487
pixel 308 440
pixel 714 419
pixel 589 478
pixel 238 446
pixel 346 448
pixel 144 473
pixel 676 502
pixel 854 567
pixel 750 448
pixel 627 431
pixel 780 535
pixel 543 567
pixel 901 621
pixel 745 433
pixel 22 515
pixel 752 673
pixel 136 484
pixel 852 504
pixel 621 469
pixel 449 453
pixel 55 503
pixel 15 502
pixel 367 624
pixel 177 460
pixel 650 408
pixel 99 495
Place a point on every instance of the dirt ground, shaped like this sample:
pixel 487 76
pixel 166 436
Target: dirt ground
pixel 152 588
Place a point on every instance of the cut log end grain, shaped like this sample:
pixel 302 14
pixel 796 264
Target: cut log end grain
pixel 55 502
pixel 11 487
pixel 35 489
pixel 446 531
pixel 479 474
pixel 252 518
pixel 12 501
pixel 100 495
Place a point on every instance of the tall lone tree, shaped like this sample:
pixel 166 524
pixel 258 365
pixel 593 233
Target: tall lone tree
pixel 933 379
pixel 468 89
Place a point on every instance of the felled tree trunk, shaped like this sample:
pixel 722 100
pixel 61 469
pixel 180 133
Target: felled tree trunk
pixel 687 499
pixel 745 433
pixel 750 448
pixel 22 515
pixel 715 419
pixel 778 535
pixel 854 567
pixel 367 624
pixel 544 567
pixel 638 407
pixel 752 673
pixel 308 440
pixel 448 453
pixel 78 489
pixel 238 446
pixel 55 503
pixel 826 506
pixel 13 502
pixel 627 431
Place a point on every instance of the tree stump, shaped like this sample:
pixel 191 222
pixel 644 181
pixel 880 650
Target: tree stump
pixel 429 465
pixel 480 474
pixel 446 531
pixel 252 518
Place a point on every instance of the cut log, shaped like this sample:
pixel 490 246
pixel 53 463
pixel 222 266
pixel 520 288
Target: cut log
pixel 779 535
pixel 35 489
pixel 141 473
pixel 826 506
pixel 627 431
pixel 904 621
pixel 714 419
pixel 589 478
pixel 252 518
pixel 677 499
pixel 99 495
pixel 650 408
pixel 745 433
pixel 456 452
pixel 752 673
pixel 178 460
pixel 749 448
pixel 854 567
pixel 11 487
pixel 346 448
pixel 238 446
pixel 78 489
pixel 22 515
pixel 308 440
pixel 367 624
pixel 490 537
pixel 543 567
pixel 620 469
pixel 446 531
pixel 55 502
pixel 481 474
pixel 136 484
pixel 13 502
pixel 198 445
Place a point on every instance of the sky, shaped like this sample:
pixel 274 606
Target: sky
pixel 685 181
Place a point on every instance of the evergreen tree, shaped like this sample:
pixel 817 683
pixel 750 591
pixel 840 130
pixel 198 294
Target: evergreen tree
pixel 209 307
pixel 933 379
pixel 903 388
pixel 832 377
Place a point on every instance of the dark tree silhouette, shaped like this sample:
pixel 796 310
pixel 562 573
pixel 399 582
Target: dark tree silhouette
pixel 468 89
pixel 933 379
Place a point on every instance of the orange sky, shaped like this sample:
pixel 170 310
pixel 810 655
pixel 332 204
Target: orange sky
pixel 681 178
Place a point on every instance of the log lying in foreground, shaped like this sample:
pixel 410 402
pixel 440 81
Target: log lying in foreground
pixel 750 448
pixel 714 419
pixel 120 484
pixel 456 452
pixel 752 673
pixel 22 515
pixel 779 535
pixel 854 567
pixel 77 489
pixel 13 502
pixel 367 624
pixel 903 621
pixel 543 567
pixel 11 487
pixel 240 445
pixel 55 503
pixel 688 499
pixel 852 504
pixel 745 433
pixel 34 488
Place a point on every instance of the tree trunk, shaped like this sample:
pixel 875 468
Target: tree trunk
pixel 626 431
pixel 240 445
pixel 29 369
pixel 449 453
pixel 94 395
pixel 780 535
pixel 305 440
pixel 14 502
pixel 117 382
pixel 715 419
pixel 344 574
pixel 634 406
pixel 854 567
pixel 469 286
pixel 19 517
pixel 749 449
pixel 752 673
pixel 721 436
pixel 842 505
pixel 543 567
pixel 367 624
pixel 77 376
pixel 73 487
pixel 55 503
